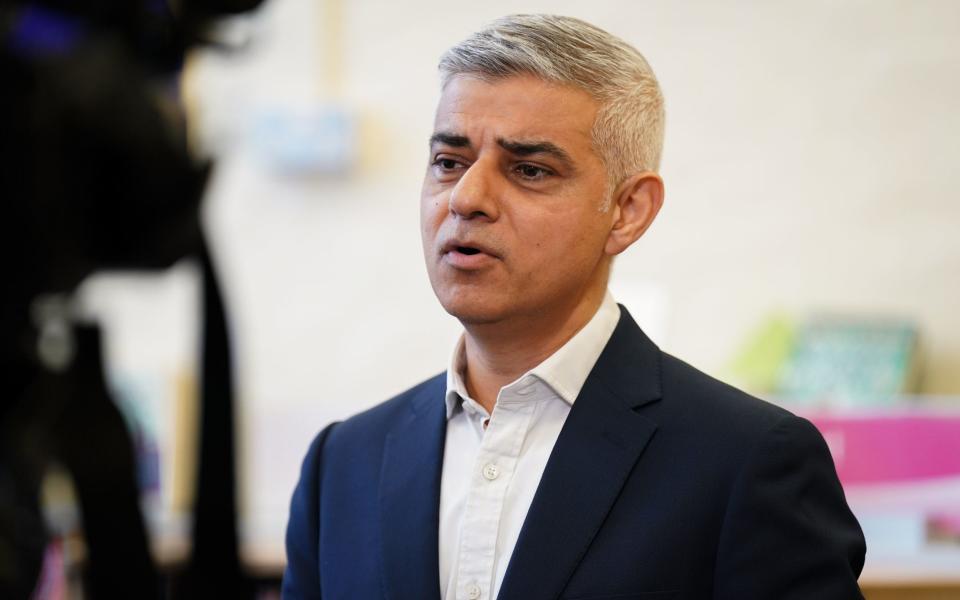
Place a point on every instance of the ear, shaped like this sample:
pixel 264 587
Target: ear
pixel 636 203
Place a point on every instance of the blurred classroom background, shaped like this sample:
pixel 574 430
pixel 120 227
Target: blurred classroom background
pixel 808 249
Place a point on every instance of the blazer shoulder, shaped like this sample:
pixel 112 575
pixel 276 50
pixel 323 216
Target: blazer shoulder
pixel 698 397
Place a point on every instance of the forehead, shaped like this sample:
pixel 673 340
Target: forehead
pixel 516 107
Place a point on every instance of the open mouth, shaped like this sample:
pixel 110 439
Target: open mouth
pixel 467 250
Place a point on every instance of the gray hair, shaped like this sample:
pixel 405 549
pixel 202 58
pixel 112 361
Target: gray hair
pixel 628 130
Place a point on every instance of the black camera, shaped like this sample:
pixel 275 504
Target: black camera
pixel 95 173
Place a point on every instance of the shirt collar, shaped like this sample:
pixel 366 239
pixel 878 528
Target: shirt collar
pixel 565 371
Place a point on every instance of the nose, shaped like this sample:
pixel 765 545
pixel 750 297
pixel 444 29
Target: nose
pixel 475 194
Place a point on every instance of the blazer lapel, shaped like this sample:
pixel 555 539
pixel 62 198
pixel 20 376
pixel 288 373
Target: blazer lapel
pixel 410 498
pixel 598 446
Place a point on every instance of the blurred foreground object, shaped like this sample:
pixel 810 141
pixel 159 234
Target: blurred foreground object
pixel 95 174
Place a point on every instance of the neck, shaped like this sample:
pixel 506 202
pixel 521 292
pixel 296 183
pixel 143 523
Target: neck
pixel 499 353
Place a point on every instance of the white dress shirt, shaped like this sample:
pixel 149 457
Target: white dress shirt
pixel 491 474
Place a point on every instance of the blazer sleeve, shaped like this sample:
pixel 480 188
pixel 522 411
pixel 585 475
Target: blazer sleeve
pixel 788 532
pixel 301 578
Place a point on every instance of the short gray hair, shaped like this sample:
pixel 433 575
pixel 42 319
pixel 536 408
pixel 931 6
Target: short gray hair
pixel 628 130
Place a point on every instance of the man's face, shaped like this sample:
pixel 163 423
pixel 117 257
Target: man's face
pixel 511 213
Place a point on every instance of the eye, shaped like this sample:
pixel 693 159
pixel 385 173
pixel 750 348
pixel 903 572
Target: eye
pixel 447 164
pixel 532 172
pixel 445 167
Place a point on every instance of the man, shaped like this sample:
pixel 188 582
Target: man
pixel 562 455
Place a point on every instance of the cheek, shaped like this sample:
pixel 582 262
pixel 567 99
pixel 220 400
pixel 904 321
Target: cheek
pixel 430 213
pixel 565 248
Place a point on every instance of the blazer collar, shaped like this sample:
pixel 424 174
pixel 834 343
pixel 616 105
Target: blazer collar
pixel 630 364
pixel 565 371
pixel 601 440
pixel 410 497
pixel 597 449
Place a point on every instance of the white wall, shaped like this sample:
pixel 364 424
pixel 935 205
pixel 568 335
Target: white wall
pixel 811 157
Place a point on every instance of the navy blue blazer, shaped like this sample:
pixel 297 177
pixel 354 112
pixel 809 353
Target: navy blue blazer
pixel 663 483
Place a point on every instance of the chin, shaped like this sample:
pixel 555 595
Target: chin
pixel 472 315
pixel 472 310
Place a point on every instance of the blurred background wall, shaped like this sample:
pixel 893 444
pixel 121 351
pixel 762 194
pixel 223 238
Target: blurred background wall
pixel 810 164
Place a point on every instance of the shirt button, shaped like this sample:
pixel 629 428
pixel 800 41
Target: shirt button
pixel 473 591
pixel 490 471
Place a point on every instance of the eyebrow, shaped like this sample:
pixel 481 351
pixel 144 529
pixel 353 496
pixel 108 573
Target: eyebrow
pixel 530 148
pixel 518 148
pixel 453 140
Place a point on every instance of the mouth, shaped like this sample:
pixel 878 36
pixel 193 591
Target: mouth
pixel 467 254
pixel 467 247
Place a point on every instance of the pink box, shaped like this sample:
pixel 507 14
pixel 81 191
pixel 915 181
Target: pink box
pixel 897 460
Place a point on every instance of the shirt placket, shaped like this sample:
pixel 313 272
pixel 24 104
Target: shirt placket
pixel 489 482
